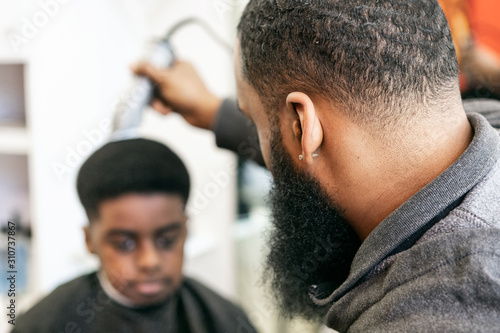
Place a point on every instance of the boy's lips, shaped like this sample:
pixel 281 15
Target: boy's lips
pixel 150 287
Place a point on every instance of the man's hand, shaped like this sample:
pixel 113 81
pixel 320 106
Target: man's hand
pixel 180 89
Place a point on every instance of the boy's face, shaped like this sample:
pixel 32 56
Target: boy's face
pixel 139 239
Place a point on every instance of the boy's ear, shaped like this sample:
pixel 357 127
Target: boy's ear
pixel 88 239
pixel 185 232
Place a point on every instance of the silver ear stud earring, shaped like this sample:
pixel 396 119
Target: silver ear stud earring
pixel 301 157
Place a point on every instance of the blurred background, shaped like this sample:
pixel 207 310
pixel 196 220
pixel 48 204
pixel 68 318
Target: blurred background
pixel 64 64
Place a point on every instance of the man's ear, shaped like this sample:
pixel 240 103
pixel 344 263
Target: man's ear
pixel 311 128
pixel 88 239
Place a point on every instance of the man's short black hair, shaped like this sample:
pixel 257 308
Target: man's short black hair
pixel 130 166
pixel 369 57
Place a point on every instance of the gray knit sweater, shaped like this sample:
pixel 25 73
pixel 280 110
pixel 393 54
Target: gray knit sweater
pixel 433 265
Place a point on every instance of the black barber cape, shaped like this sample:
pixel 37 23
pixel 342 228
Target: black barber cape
pixel 81 306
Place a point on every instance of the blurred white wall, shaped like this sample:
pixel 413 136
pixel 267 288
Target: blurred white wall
pixel 77 54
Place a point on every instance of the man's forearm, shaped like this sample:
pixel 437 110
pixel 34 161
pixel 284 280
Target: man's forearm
pixel 236 132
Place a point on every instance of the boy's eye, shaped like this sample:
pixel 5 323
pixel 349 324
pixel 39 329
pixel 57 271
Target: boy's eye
pixel 124 245
pixel 165 242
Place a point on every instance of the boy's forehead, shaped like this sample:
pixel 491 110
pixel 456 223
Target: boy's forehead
pixel 141 231
pixel 136 211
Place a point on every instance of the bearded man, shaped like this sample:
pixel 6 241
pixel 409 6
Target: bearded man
pixel 386 197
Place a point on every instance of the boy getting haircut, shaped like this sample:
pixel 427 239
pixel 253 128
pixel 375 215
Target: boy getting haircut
pixel 134 193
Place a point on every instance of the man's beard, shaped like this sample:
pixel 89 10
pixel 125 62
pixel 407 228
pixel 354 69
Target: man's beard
pixel 309 244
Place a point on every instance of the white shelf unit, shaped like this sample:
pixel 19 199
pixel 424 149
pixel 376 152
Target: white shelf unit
pixel 14 140
pixel 16 178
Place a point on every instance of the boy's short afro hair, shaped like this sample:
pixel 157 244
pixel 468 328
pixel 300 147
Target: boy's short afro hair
pixel 130 166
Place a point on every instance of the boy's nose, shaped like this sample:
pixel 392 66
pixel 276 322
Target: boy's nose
pixel 148 257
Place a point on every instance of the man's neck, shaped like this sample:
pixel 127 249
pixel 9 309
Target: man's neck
pixel 380 176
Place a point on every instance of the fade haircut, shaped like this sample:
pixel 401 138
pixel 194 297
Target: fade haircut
pixel 131 166
pixel 379 61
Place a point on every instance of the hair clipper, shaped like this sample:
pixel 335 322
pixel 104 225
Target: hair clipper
pixel 128 111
